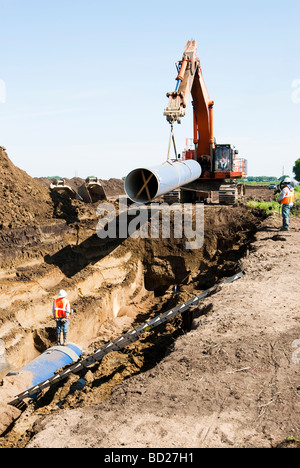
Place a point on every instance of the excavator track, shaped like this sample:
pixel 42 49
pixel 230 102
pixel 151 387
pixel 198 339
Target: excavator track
pixel 228 194
pixel 121 342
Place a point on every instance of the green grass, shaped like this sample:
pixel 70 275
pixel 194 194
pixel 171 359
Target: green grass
pixel 293 440
pixel 271 207
pixel 251 184
pixel 275 207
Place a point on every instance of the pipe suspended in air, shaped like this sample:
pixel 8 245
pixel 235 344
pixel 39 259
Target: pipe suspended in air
pixel 143 185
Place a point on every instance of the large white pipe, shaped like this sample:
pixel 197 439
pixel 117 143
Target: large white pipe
pixel 143 185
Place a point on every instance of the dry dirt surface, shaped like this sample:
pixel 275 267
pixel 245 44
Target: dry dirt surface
pixel 232 381
pixel 259 193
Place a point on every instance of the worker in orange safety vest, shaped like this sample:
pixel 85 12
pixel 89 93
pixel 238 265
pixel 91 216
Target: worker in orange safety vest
pixel 61 311
pixel 286 199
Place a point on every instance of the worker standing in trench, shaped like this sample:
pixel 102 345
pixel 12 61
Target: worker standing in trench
pixel 61 311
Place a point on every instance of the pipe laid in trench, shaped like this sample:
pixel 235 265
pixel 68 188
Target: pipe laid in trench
pixel 47 364
pixel 143 185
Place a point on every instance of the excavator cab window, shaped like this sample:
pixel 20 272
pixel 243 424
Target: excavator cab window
pixel 223 158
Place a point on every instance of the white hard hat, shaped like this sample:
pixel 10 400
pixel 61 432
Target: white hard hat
pixel 287 180
pixel 62 294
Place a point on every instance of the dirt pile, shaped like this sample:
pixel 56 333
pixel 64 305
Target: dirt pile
pixel 24 201
pixel 33 221
pixel 113 187
pixel 259 193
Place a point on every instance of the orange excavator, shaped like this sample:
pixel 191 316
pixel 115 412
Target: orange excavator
pixel 220 164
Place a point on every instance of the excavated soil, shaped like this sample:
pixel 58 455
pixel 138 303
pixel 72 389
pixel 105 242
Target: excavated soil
pixel 231 380
pixel 259 193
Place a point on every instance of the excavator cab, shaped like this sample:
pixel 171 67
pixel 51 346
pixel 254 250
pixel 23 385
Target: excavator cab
pixel 224 158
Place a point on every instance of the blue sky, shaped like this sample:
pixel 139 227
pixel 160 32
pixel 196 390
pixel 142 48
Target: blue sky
pixel 86 81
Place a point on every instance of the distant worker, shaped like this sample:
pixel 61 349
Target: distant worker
pixel 61 312
pixel 286 199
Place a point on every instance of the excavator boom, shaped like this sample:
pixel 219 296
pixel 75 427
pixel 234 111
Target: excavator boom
pixel 190 82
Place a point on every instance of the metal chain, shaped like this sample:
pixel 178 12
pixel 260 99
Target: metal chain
pixel 172 138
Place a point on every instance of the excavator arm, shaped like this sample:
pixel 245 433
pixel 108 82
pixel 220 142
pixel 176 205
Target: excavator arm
pixel 190 82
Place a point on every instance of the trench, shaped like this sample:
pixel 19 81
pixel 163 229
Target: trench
pixel 117 281
pixel 113 281
pixel 114 286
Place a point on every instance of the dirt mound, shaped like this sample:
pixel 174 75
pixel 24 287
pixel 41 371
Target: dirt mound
pixel 259 193
pixel 32 218
pixel 113 187
pixel 24 201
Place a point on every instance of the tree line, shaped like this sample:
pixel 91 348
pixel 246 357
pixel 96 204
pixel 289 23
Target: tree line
pixel 262 179
pixel 296 170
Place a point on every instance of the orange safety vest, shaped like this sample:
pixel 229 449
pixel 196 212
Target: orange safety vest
pixel 60 308
pixel 289 197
